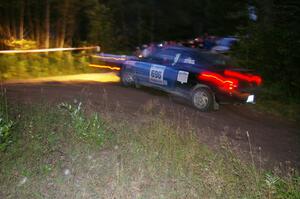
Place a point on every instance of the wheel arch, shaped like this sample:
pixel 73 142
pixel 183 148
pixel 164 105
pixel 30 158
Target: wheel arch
pixel 201 86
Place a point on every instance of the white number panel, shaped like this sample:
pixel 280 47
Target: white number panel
pixel 157 74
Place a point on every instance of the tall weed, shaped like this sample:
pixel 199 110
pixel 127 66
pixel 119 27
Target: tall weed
pixel 5 124
pixel 92 128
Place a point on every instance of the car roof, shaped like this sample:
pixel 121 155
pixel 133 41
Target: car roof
pixel 228 38
pixel 188 50
pixel 204 55
pixel 181 48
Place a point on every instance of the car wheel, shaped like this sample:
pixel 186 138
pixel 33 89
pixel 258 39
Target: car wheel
pixel 202 99
pixel 127 78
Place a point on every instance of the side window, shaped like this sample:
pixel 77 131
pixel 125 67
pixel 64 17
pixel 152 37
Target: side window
pixel 165 57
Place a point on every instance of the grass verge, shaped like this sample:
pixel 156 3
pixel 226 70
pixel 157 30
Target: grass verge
pixel 18 66
pixel 63 152
pixel 274 100
pixel 290 111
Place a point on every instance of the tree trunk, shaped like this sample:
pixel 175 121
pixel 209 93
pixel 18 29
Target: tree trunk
pixel 38 29
pixel 7 25
pixel 21 27
pixel 57 33
pixel 139 25
pixel 152 27
pixel 13 26
pixel 64 24
pixel 31 31
pixel 47 25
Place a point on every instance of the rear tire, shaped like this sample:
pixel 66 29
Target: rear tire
pixel 203 99
pixel 127 78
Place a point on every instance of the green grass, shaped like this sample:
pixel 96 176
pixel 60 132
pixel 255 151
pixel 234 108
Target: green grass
pixel 290 111
pixel 6 124
pixel 62 151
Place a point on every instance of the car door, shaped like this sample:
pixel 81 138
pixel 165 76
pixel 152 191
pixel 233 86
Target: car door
pixel 163 72
pixel 158 69
pixel 187 72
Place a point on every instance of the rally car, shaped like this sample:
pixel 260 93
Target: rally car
pixel 204 78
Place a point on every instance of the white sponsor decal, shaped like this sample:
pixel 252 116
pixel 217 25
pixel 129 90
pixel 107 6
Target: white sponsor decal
pixel 189 61
pixel 176 59
pixel 182 76
pixel 157 74
pixel 129 62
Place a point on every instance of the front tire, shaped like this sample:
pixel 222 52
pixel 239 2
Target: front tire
pixel 127 78
pixel 202 99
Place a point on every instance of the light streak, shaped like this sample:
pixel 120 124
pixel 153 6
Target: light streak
pixel 105 67
pixel 246 77
pixel 48 50
pixel 109 58
pixel 218 80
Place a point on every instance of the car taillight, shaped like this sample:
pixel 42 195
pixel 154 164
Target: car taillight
pixel 223 83
pixel 245 77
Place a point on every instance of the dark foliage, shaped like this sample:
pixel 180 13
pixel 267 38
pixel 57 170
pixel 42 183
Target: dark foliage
pixel 272 47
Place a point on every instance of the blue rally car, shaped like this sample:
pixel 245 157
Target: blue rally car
pixel 204 78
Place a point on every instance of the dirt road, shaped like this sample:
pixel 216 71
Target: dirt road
pixel 273 140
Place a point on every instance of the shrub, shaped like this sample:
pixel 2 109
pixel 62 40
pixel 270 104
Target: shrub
pixel 5 133
pixel 92 128
pixel 5 124
pixel 21 44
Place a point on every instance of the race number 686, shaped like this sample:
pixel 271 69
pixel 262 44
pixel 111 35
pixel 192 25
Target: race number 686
pixel 157 74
